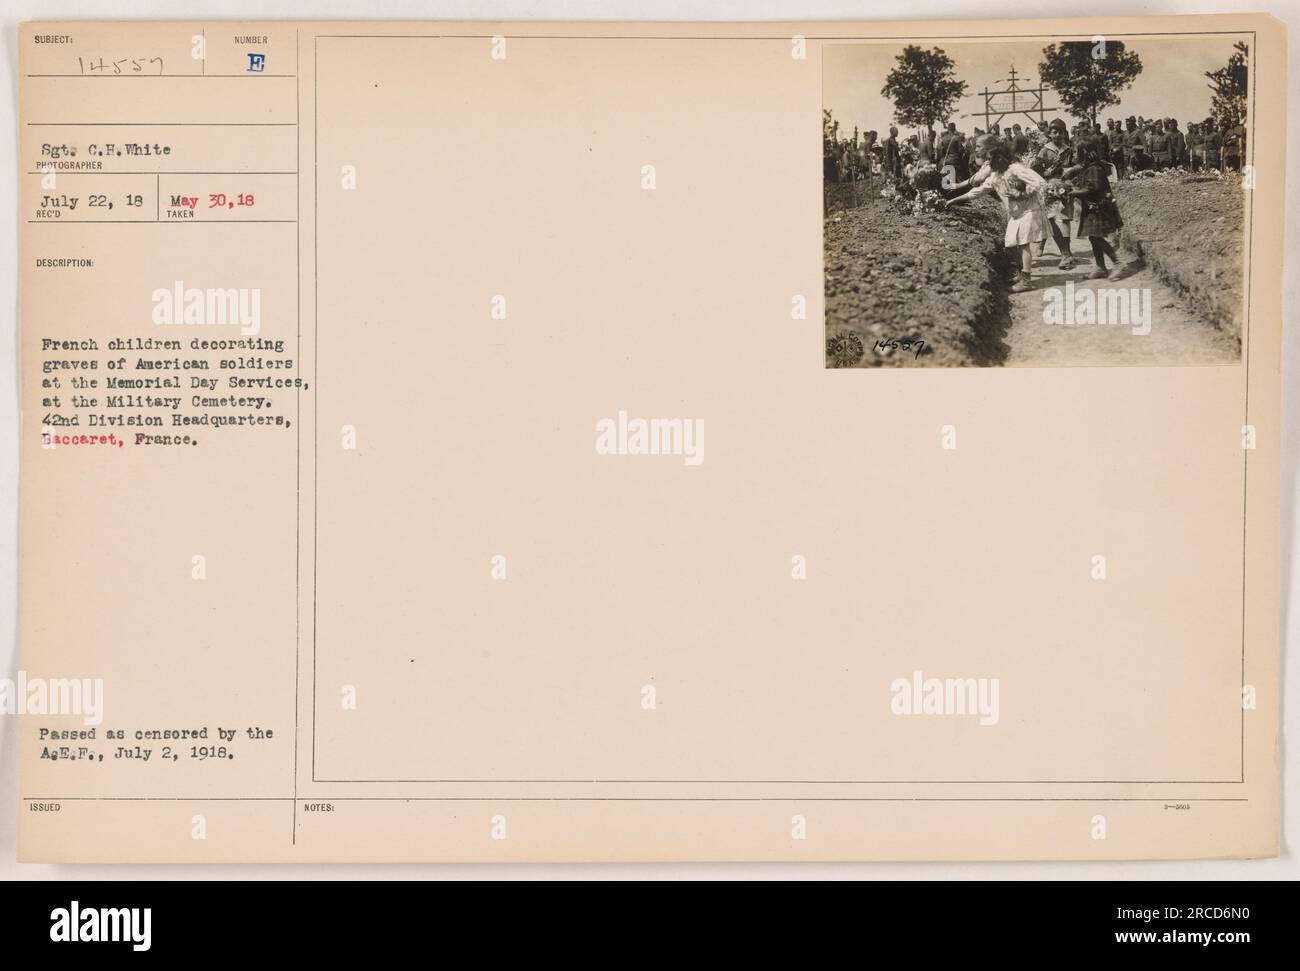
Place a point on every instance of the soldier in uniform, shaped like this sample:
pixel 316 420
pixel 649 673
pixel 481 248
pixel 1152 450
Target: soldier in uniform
pixel 866 153
pixel 1159 148
pixel 1177 143
pixel 952 152
pixel 1213 144
pixel 830 171
pixel 1149 130
pixel 1115 138
pixel 1234 147
pixel 1134 145
pixel 891 156
pixel 1019 141
pixel 946 135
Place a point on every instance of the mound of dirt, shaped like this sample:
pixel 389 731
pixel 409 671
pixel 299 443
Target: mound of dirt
pixel 1189 229
pixel 894 279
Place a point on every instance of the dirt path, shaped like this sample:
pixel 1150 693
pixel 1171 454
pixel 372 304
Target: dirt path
pixel 1177 336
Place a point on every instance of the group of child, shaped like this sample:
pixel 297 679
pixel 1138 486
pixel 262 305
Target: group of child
pixel 1079 174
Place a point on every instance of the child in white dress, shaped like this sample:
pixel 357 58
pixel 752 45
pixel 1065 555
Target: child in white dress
pixel 1020 189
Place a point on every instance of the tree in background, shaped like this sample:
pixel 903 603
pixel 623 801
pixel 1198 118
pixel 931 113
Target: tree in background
pixel 1088 75
pixel 924 87
pixel 1229 83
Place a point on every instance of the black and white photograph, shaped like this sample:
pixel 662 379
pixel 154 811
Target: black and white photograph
pixel 429 458
pixel 1037 202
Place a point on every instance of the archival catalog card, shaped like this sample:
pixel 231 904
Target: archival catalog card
pixel 811 441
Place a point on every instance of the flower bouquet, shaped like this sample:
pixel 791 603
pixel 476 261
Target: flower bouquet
pixel 926 178
pixel 927 200
pixel 1055 196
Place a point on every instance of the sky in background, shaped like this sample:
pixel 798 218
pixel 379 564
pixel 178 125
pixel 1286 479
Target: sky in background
pixel 1172 82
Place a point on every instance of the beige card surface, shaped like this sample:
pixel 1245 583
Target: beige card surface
pixel 540 442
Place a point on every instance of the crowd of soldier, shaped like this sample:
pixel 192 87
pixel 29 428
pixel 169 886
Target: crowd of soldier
pixel 1135 145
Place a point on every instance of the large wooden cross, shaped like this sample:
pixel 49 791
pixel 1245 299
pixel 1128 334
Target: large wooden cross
pixel 1013 100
